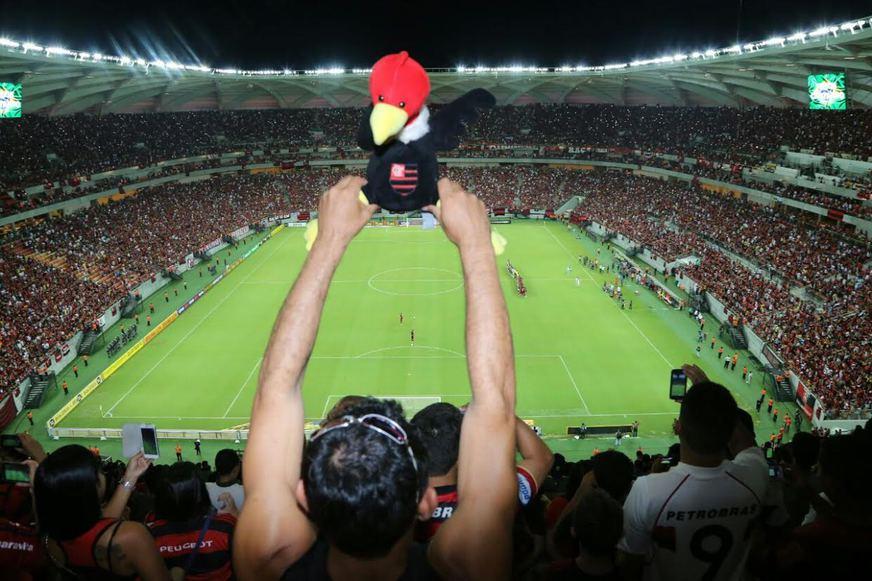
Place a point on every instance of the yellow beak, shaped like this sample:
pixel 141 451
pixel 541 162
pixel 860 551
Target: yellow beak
pixel 386 121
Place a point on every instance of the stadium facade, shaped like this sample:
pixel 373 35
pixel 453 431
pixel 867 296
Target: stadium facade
pixel 772 72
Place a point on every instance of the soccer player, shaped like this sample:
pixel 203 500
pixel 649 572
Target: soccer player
pixel 713 343
pixel 412 336
pixel 65 387
pixel 577 281
pixel 759 404
pixel 697 350
pixel 691 522
pixel 745 373
pixel 775 415
pixel 618 436
pixel 771 403
pixel 748 379
pixel 569 269
pixel 178 452
pixel 30 417
pixel 734 361
pixel 76 371
pixel 197 447
pixel 401 318
pixel 166 296
pixel 720 351
pixel 85 360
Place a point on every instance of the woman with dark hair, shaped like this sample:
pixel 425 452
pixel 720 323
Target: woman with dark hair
pixel 83 537
pixel 193 540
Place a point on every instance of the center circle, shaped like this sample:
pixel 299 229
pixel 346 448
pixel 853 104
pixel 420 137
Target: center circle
pixel 415 281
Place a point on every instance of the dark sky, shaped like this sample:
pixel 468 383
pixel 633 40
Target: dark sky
pixel 284 33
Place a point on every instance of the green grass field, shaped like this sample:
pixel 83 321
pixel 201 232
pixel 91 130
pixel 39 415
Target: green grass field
pixel 579 357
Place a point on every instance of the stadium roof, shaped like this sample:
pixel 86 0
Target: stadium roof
pixel 59 81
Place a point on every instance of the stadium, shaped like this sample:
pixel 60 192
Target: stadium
pixel 663 230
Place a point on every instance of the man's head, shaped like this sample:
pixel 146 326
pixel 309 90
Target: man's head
pixel 360 484
pixel 227 464
pixel 438 426
pixel 613 473
pixel 598 523
pixel 707 419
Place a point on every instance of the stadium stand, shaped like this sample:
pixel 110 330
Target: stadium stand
pixel 797 279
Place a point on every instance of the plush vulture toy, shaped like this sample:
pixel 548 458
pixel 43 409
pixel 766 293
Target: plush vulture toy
pixel 404 138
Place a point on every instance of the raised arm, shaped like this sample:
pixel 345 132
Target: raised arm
pixel 475 543
pixel 273 532
pixel 536 456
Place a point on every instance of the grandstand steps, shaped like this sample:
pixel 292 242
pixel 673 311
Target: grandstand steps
pixel 783 390
pixel 39 386
pixel 86 345
pixel 736 337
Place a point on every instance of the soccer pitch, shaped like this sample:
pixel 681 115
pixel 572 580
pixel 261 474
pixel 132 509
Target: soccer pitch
pixel 579 357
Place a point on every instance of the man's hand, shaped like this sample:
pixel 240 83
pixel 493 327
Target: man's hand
pixel 31 447
pixel 462 215
pixel 341 215
pixel 228 505
pixel 694 374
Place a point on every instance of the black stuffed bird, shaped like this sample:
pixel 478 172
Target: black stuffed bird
pixel 404 139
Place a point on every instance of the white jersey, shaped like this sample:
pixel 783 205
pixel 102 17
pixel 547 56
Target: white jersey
pixel 693 522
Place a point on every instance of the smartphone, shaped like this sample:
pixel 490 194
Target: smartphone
pixel 677 384
pixel 775 472
pixel 15 473
pixel 149 441
pixel 10 441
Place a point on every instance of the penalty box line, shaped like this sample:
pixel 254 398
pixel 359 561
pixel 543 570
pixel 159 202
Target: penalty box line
pixel 565 366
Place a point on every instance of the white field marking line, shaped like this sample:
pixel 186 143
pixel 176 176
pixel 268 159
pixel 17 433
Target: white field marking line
pixel 575 385
pixel 178 418
pixel 435 398
pixel 244 383
pixel 185 418
pixel 364 281
pixel 459 281
pixel 663 357
pixel 364 355
pixel 195 327
pixel 675 413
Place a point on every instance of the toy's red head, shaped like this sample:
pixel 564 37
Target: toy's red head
pixel 399 86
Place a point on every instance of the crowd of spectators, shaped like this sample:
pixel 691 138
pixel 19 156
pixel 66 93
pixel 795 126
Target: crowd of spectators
pixel 94 256
pixel 824 341
pixel 68 147
pixel 781 510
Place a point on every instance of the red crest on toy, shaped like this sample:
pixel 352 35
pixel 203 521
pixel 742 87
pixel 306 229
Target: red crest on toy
pixel 399 80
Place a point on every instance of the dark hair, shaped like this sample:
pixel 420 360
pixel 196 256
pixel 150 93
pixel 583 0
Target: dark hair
pixel 846 462
pixel 438 425
pixel 708 418
pixel 614 473
pixel 598 522
pixel 225 461
pixel 806 449
pixel 65 489
pixel 744 418
pixel 362 488
pixel 181 495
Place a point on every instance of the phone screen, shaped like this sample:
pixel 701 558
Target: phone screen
pixel 677 384
pixel 10 441
pixel 15 473
pixel 149 442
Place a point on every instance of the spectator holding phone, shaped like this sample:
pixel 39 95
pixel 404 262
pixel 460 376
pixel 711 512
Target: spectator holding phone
pixel 363 481
pixel 84 538
pixel 692 521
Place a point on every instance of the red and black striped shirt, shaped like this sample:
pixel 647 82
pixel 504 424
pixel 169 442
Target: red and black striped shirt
pixel 176 540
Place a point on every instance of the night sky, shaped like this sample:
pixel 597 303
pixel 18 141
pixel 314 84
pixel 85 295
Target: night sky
pixel 281 33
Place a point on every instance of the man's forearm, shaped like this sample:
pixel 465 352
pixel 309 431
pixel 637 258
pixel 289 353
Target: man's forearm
pixel 295 329
pixel 488 338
